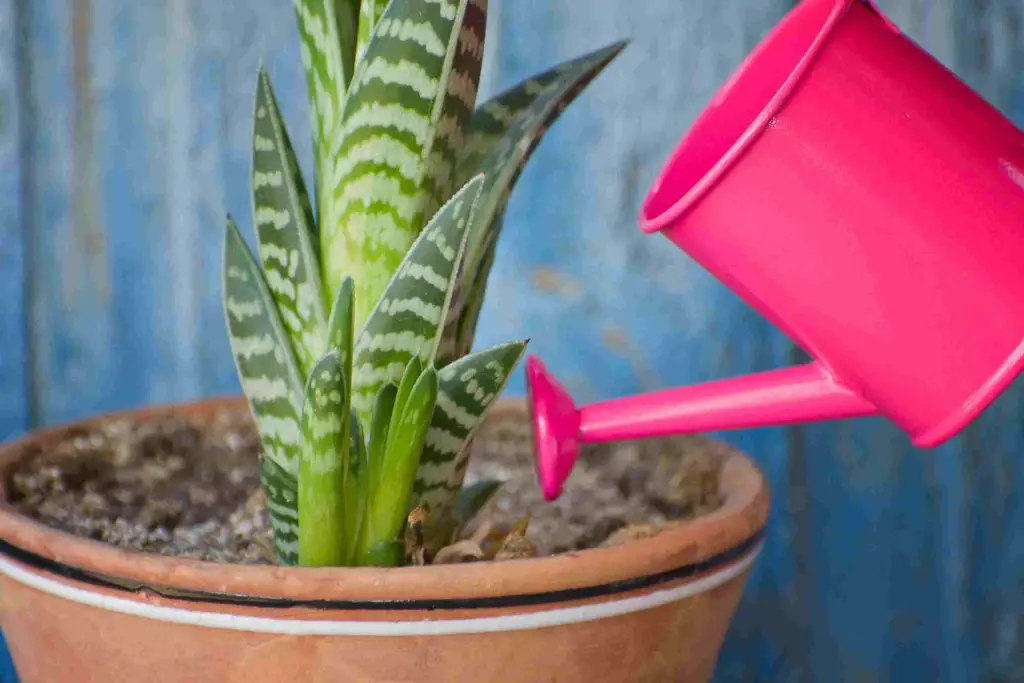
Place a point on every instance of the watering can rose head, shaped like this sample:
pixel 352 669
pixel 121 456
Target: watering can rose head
pixel 866 242
pixel 351 331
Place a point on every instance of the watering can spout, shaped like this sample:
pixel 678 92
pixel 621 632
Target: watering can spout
pixel 799 394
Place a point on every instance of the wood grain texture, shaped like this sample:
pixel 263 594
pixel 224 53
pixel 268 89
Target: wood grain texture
pixel 613 311
pixel 916 559
pixel 125 138
pixel 14 395
pixel 15 409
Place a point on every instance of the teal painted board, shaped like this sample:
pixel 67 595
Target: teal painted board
pixel 14 396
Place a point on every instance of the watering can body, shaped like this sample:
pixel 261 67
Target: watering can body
pixel 865 201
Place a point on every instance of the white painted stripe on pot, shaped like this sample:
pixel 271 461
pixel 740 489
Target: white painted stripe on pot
pixel 297 627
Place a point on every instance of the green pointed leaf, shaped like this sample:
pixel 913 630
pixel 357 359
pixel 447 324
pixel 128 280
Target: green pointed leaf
pixel 340 340
pixel 271 381
pixel 370 12
pixel 520 115
pixel 468 503
pixel 356 486
pixel 465 321
pixel 282 493
pixel 327 34
pixel 472 499
pixel 410 314
pixel 384 554
pixel 453 121
pixel 380 423
pixel 284 229
pixel 409 378
pixel 467 302
pixel 467 388
pixel 389 501
pixel 323 466
pixel 504 133
pixel 266 366
pixel 341 326
pixel 404 118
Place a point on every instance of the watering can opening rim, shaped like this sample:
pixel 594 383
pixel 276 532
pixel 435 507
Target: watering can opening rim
pixel 714 143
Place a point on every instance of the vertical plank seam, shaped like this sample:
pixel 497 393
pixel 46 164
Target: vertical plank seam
pixel 27 123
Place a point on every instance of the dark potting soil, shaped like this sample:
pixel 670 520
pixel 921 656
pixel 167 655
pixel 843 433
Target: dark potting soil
pixel 170 487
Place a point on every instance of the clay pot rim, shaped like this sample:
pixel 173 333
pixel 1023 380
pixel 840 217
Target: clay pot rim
pixel 691 549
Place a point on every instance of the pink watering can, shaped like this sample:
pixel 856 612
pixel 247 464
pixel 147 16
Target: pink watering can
pixel 867 203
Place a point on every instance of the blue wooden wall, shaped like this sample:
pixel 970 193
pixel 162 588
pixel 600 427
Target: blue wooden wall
pixel 124 140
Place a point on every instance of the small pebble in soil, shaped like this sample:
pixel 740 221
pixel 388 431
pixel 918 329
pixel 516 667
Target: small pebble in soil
pixel 172 487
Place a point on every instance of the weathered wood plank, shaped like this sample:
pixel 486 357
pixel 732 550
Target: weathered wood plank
pixel 613 311
pixel 70 311
pixel 986 593
pixel 14 396
pixel 144 143
pixel 914 561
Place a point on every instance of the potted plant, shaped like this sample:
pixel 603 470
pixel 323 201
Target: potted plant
pixel 351 332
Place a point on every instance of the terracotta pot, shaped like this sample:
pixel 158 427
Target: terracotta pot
pixel 652 610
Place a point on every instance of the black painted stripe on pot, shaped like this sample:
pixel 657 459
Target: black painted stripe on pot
pixel 713 563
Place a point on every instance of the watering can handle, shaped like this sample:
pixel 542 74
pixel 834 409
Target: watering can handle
pixel 803 393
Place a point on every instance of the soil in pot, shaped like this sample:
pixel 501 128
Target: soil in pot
pixel 168 486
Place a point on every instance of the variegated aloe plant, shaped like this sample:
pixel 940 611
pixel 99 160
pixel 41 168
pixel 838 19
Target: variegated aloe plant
pixel 351 332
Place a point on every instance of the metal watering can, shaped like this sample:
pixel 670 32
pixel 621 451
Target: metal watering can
pixel 865 201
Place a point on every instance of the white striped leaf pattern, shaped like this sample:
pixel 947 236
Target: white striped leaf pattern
pixel 504 133
pixel 397 146
pixel 456 113
pixel 281 491
pixel 409 316
pixel 468 300
pixel 466 389
pixel 370 12
pixel 323 465
pixel 270 379
pixel 285 230
pixel 327 39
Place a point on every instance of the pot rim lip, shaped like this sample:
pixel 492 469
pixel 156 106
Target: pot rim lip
pixel 696 547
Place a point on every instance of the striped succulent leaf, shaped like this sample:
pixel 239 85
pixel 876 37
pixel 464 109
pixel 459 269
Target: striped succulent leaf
pixel 271 381
pixel 370 12
pixel 409 316
pixel 468 301
pixel 504 133
pixel 404 116
pixel 282 493
pixel 472 499
pixel 323 465
pixel 466 389
pixel 285 229
pixel 520 107
pixel 356 492
pixel 388 505
pixel 340 329
pixel 327 33
pixel 467 504
pixel 456 109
